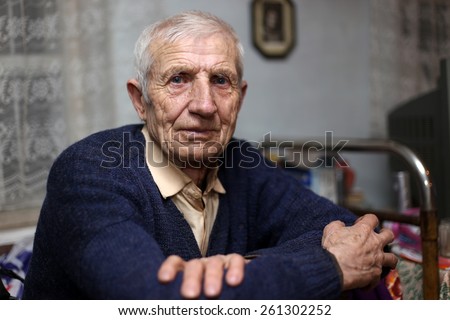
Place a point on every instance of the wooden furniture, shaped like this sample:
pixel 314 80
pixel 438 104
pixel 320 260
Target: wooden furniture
pixel 427 220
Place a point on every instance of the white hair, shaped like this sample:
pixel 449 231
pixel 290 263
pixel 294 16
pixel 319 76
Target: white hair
pixel 184 25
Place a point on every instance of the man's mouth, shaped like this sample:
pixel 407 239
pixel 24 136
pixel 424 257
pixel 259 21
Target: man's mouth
pixel 192 134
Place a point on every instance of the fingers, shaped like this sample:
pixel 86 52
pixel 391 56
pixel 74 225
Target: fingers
pixel 370 219
pixel 213 276
pixel 169 269
pixel 192 279
pixel 386 236
pixel 390 260
pixel 235 272
pixel 216 266
pixel 205 272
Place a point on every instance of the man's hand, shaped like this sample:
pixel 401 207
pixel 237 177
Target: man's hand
pixel 208 270
pixel 359 251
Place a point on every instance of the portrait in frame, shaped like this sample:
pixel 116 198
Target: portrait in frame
pixel 273 27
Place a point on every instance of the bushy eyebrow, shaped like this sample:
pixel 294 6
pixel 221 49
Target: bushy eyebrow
pixel 177 69
pixel 189 69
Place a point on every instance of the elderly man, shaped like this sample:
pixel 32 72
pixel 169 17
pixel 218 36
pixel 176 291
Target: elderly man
pixel 178 208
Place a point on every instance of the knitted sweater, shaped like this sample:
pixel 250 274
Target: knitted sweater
pixel 104 228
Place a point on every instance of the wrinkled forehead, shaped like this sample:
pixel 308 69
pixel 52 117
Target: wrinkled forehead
pixel 160 47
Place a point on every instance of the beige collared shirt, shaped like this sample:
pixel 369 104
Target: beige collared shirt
pixel 198 207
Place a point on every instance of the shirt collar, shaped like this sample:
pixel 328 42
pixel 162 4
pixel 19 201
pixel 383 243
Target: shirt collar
pixel 169 179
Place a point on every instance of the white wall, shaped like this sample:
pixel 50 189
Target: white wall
pixel 323 85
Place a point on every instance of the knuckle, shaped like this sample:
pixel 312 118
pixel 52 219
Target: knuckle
pixel 372 216
pixel 174 258
pixel 365 228
pixel 236 258
pixel 195 263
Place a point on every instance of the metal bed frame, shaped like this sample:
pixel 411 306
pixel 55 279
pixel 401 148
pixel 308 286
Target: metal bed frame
pixel 427 220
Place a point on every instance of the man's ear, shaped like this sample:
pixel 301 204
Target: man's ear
pixel 244 86
pixel 137 98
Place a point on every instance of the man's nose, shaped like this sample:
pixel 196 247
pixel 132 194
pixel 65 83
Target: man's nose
pixel 202 102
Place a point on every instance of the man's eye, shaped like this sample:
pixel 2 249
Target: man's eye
pixel 220 80
pixel 177 79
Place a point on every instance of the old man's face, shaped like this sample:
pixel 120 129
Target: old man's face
pixel 195 98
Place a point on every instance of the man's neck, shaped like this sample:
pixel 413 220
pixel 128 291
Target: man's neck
pixel 198 175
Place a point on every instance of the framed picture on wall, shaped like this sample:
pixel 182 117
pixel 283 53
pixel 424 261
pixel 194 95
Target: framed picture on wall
pixel 273 27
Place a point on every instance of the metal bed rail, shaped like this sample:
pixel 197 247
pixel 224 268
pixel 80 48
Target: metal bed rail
pixel 427 220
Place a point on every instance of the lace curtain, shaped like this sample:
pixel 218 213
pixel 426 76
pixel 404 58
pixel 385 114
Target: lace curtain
pixel 408 39
pixel 54 88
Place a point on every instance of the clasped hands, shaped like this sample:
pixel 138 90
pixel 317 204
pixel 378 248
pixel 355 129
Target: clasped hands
pixel 358 250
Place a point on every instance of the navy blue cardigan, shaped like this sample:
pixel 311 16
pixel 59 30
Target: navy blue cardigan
pixel 104 228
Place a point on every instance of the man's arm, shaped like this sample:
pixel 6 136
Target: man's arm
pixel 358 251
